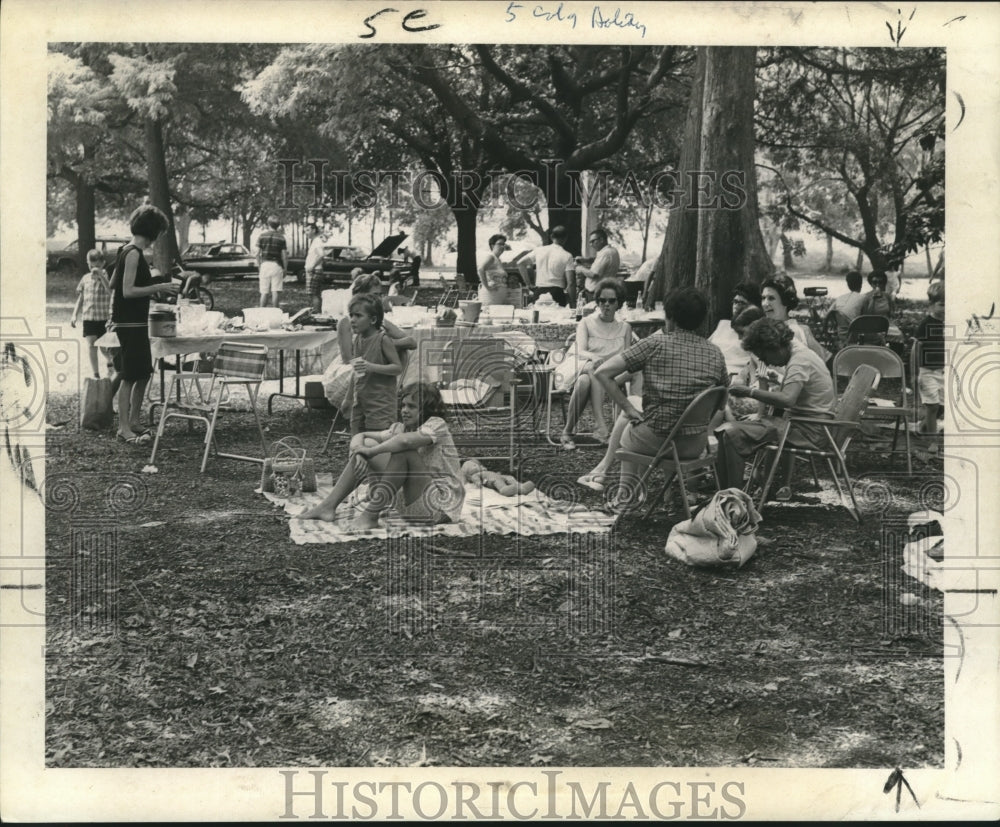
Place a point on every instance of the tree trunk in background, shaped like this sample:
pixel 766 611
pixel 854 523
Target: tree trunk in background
pixel 562 192
pixel 182 220
pixel 165 251
pixel 861 260
pixel 714 248
pixel 85 226
pixel 648 219
pixel 927 255
pixel 787 262
pixel 466 244
pixel 829 253
pixel 678 256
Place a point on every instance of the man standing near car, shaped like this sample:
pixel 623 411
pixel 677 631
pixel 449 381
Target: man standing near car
pixel 315 280
pixel 605 265
pixel 552 261
pixel 272 261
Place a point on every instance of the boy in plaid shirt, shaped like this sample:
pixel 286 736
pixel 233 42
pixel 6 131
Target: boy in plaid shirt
pixel 93 303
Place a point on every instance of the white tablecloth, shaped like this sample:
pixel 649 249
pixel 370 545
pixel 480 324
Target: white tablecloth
pixel 271 339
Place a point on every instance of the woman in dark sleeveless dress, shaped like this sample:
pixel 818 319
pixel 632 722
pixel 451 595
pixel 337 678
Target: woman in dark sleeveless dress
pixel 132 285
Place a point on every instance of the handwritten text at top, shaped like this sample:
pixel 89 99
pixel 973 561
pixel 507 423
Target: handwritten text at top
pixel 600 18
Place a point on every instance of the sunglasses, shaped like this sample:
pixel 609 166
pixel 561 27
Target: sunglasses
pixel 607 301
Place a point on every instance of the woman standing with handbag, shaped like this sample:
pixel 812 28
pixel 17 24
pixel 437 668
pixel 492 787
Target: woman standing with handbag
pixel 132 285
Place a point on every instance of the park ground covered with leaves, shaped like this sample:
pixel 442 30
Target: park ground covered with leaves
pixel 189 631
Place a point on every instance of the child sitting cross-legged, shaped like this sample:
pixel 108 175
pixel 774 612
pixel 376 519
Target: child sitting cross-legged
pixel 412 466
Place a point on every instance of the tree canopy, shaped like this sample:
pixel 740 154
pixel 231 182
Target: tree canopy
pixel 858 128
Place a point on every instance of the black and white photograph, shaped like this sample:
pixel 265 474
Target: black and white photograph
pixel 499 410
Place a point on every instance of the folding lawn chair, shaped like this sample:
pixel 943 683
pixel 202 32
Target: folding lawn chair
pixel 234 364
pixel 890 366
pixel 699 411
pixel 478 381
pixel 838 432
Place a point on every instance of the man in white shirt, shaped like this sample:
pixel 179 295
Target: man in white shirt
pixel 606 262
pixel 551 263
pixel 314 268
pixel 848 305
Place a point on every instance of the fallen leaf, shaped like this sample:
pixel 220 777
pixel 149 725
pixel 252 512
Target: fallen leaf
pixel 191 661
pixel 541 759
pixel 674 633
pixel 771 687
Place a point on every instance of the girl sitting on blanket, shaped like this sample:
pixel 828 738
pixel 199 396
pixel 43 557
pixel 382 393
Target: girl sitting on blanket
pixel 412 466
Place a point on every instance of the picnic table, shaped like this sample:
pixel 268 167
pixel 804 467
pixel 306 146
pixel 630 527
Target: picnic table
pixel 541 337
pixel 280 340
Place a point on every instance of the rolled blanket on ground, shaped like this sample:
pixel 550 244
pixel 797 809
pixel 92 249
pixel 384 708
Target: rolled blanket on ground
pixel 722 533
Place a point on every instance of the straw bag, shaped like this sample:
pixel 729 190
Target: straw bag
pixel 288 470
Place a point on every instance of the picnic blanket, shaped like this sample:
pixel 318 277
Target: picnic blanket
pixel 485 512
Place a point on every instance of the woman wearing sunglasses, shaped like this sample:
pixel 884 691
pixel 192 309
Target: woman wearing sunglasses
pixel 598 337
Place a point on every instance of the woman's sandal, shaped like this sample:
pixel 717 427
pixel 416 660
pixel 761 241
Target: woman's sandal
pixel 566 442
pixel 595 482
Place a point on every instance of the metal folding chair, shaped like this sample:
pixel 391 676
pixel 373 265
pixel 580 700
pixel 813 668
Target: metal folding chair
pixel 699 411
pixel 867 329
pixel 234 364
pixel 890 366
pixel 837 431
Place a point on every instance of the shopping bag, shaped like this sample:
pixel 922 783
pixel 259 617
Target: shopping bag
pixel 95 405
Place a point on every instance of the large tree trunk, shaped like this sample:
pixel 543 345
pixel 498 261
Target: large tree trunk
pixel 165 251
pixel 86 233
pixel 829 253
pixel 465 266
pixel 562 192
pixel 715 247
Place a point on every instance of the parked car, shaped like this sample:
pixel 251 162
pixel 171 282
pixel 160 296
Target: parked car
pixel 66 260
pixel 513 274
pixel 339 260
pixel 219 259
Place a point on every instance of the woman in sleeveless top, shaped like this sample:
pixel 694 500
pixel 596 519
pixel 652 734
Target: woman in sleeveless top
pixel 493 276
pixel 598 335
pixel 132 285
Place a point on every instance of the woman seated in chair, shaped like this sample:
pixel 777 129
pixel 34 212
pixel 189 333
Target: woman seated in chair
pixel 778 297
pixel 806 389
pixel 412 466
pixel 601 336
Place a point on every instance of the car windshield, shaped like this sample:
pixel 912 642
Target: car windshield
pixel 199 249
